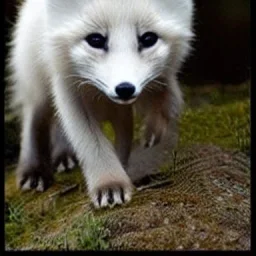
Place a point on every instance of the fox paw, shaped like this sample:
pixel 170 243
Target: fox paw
pixel 38 178
pixel 64 162
pixel 111 195
pixel 63 156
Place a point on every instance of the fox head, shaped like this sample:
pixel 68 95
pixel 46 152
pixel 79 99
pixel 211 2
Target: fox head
pixel 119 46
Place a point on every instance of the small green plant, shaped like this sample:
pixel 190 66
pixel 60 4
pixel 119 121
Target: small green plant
pixel 90 233
pixel 14 213
pixel 14 222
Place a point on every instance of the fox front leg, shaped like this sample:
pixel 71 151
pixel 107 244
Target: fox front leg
pixel 107 182
pixel 34 168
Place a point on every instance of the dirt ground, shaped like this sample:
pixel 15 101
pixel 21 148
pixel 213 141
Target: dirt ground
pixel 197 198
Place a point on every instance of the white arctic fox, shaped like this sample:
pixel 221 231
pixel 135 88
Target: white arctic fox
pixel 95 60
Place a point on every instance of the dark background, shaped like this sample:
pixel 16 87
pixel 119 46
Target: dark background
pixel 221 49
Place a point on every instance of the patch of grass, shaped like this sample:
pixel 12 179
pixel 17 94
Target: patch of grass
pixel 90 233
pixel 26 212
pixel 14 213
pixel 15 222
pixel 227 125
pixel 34 221
pixel 12 232
pixel 85 232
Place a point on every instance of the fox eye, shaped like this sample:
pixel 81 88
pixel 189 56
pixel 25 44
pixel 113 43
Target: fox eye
pixel 148 39
pixel 97 40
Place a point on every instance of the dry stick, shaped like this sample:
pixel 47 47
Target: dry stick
pixel 155 185
pixel 63 191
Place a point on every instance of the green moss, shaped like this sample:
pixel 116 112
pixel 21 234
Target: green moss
pixel 226 125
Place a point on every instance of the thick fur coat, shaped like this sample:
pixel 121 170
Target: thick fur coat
pixel 86 61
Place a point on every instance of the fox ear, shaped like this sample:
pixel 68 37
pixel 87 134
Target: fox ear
pixel 177 13
pixel 59 11
pixel 180 7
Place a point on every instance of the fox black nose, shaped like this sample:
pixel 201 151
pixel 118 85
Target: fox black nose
pixel 125 90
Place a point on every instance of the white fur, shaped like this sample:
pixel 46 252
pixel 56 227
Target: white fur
pixel 50 58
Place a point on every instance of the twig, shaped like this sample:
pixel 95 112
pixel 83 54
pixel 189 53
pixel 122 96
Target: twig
pixel 155 185
pixel 63 191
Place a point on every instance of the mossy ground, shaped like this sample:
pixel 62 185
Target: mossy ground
pixel 217 115
pixel 42 221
